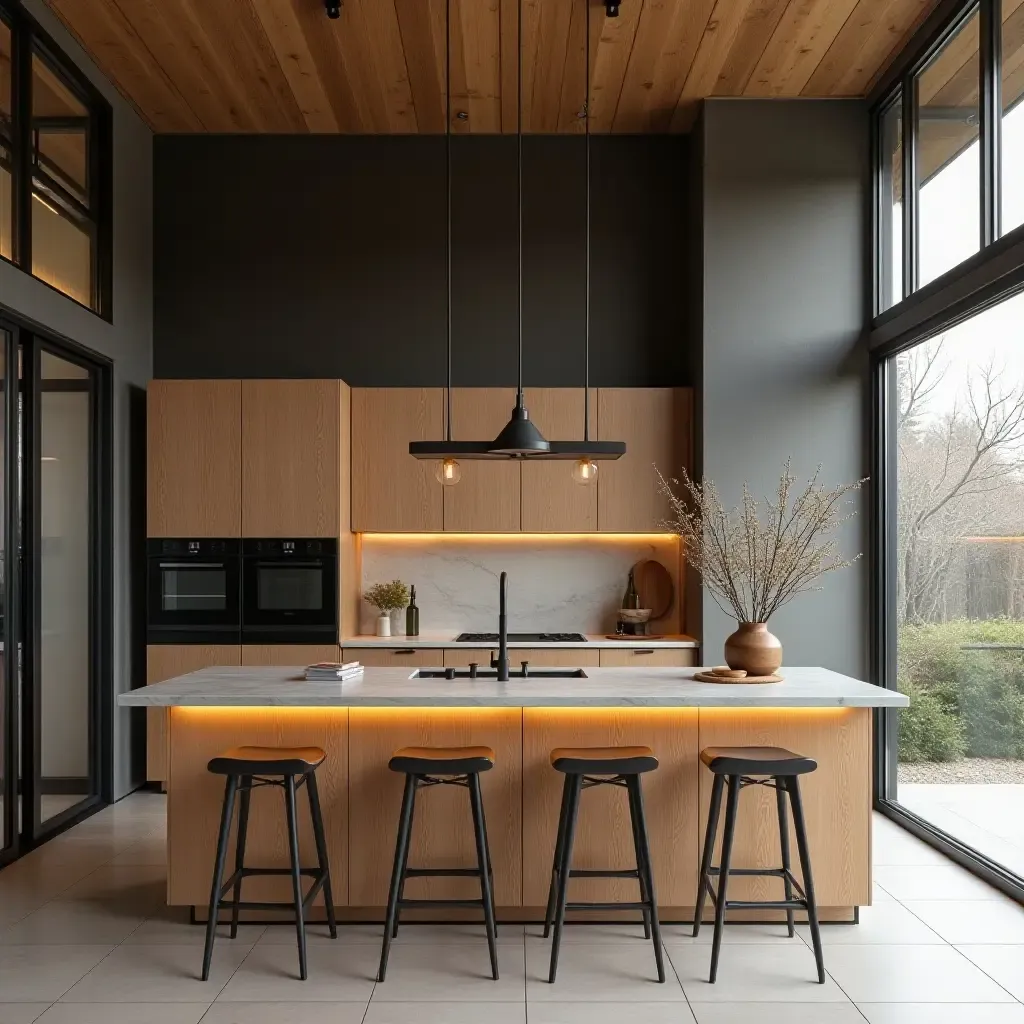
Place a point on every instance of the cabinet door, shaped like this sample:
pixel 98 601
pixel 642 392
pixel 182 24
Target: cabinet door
pixel 289 654
pixel 391 491
pixel 166 662
pixel 291 458
pixel 193 455
pixel 648 657
pixel 486 499
pixel 655 423
pixel 552 502
pixel 390 657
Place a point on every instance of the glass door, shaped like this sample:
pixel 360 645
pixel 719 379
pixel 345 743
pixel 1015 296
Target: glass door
pixel 10 812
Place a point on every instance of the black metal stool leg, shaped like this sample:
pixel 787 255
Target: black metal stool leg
pixel 549 913
pixel 563 870
pixel 640 873
pixel 243 827
pixel 793 785
pixel 487 854
pixel 644 860
pixel 709 848
pixel 293 845
pixel 780 800
pixel 723 871
pixel 486 891
pixel 398 871
pixel 321 850
pixel 405 860
pixel 228 809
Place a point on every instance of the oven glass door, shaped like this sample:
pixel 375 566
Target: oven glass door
pixel 193 593
pixel 289 592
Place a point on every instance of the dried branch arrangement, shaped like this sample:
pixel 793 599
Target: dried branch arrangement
pixel 387 597
pixel 753 560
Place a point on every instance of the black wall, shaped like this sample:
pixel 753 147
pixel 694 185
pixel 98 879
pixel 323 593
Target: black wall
pixel 323 256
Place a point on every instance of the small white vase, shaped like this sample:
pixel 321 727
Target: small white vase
pixel 397 626
pixel 384 624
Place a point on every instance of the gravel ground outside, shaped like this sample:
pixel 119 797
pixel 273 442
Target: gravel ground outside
pixel 979 770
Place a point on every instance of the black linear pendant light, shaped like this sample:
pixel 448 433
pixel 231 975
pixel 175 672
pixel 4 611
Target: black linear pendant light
pixel 519 438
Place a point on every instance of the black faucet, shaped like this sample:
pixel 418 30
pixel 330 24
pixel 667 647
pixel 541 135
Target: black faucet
pixel 501 664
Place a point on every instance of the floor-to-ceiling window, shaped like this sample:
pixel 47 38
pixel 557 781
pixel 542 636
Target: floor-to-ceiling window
pixel 948 341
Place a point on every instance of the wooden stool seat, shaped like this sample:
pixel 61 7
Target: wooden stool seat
pixel 442 760
pixel 603 760
pixel 756 761
pixel 267 761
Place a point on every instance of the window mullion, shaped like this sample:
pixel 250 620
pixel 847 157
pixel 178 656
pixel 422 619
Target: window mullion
pixel 21 109
pixel 910 204
pixel 990 90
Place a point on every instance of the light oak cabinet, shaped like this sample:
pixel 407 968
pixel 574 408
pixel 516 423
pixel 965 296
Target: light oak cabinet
pixel 291 457
pixel 648 657
pixel 289 654
pixel 390 657
pixel 165 661
pixel 551 501
pixel 193 454
pixel 487 498
pixel 655 423
pixel 391 491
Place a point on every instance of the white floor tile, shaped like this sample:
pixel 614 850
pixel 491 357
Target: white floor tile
pixel 20 1013
pixel 134 885
pixel 456 933
pixel 775 1013
pixel 779 972
pixel 903 848
pixel 44 973
pixel 72 923
pixel 124 1013
pixel 1003 964
pixel 171 926
pixel 933 882
pixel 972 921
pixel 616 933
pixel 319 934
pixel 445 1013
pixel 599 971
pixel 910 974
pixel 336 974
pixel 449 972
pixel 149 851
pixel 156 974
pixel 286 1013
pixel 887 923
pixel 607 1013
pixel 733 934
pixel 942 1013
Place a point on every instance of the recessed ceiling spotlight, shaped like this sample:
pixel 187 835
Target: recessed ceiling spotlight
pixel 611 8
pixel 333 8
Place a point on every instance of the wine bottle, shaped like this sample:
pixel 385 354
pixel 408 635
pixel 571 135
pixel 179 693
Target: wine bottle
pixel 412 615
pixel 631 599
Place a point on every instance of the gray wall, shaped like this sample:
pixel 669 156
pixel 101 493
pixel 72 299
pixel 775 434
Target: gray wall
pixel 322 256
pixel 785 201
pixel 127 341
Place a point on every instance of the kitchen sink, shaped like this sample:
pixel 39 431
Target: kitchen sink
pixel 490 673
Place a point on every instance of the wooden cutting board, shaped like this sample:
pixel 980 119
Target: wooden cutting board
pixel 654 585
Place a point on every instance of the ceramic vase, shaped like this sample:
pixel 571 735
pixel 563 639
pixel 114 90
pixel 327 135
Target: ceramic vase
pixel 384 624
pixel 753 649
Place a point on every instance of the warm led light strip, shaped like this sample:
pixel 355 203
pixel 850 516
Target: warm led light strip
pixel 452 536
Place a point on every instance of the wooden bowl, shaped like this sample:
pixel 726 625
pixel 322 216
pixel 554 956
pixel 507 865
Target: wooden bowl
pixel 636 615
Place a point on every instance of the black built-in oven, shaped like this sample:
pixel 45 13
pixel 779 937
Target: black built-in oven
pixel 193 591
pixel 290 591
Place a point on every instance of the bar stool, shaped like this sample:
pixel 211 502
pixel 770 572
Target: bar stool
pixel 440 766
pixel 778 769
pixel 581 767
pixel 248 768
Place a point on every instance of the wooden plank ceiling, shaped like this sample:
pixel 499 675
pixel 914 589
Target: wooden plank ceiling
pixel 283 66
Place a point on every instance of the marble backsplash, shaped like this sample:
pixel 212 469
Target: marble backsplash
pixel 556 584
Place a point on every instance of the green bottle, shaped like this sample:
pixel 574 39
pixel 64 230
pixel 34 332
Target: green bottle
pixel 631 599
pixel 412 615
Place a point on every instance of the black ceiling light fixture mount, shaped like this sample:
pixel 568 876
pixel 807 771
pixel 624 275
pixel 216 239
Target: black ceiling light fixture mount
pixel 333 8
pixel 519 438
pixel 611 8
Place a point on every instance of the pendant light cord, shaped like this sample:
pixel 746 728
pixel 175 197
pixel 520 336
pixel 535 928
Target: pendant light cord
pixel 586 318
pixel 448 200
pixel 519 136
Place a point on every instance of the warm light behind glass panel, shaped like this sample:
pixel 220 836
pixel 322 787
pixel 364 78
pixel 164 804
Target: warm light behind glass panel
pixel 6 184
pixel 948 155
pixel 61 252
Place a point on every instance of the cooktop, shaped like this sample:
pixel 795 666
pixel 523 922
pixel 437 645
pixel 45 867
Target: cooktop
pixel 529 638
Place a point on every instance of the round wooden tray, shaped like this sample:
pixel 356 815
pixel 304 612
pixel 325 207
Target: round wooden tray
pixel 633 636
pixel 710 677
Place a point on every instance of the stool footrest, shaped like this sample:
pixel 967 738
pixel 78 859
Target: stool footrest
pixel 608 906
pixel 440 903
pixel 442 872
pixel 766 904
pixel 593 873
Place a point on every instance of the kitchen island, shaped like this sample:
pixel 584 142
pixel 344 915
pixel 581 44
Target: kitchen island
pixel 359 723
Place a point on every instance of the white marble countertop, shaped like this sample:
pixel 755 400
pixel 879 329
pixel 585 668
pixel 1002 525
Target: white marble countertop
pixel 602 688
pixel 447 640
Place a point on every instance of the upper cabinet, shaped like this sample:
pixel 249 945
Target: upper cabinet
pixel 194 442
pixel 551 501
pixel 655 423
pixel 391 491
pixel 487 498
pixel 291 457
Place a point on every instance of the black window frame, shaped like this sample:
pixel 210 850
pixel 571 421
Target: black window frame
pixel 990 276
pixel 29 40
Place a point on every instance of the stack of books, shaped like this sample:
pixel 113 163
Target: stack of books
pixel 334 670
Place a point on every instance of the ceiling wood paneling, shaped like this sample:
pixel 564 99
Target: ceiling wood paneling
pixel 283 66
